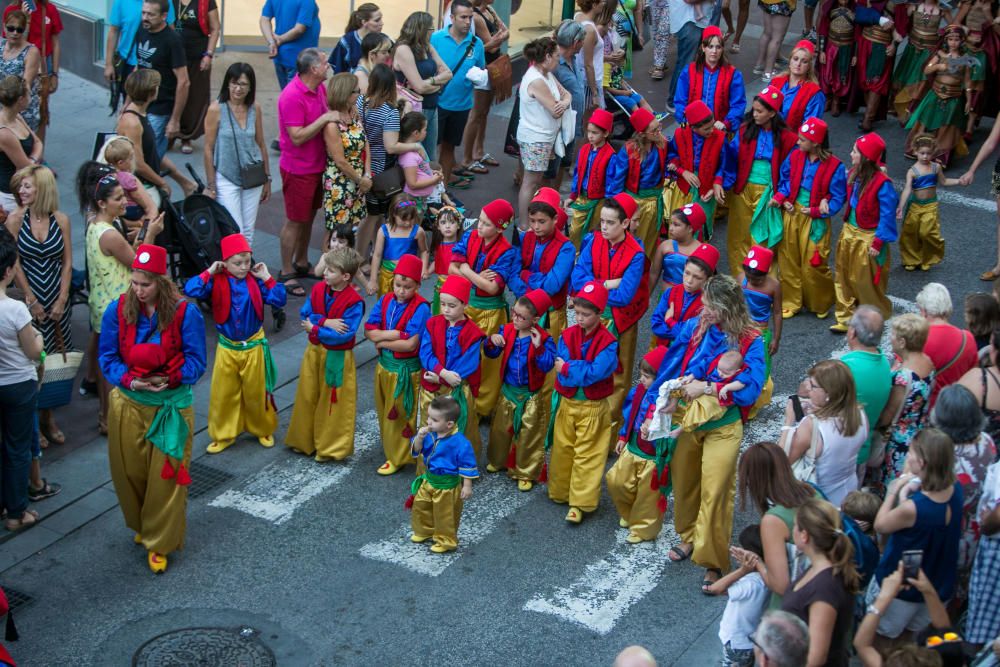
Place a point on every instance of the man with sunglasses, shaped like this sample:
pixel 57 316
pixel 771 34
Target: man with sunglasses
pixel 781 640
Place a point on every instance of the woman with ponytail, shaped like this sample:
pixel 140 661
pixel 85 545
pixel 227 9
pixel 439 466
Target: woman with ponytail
pixel 364 20
pixel 823 596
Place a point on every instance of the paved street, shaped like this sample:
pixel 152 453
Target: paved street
pixel 311 561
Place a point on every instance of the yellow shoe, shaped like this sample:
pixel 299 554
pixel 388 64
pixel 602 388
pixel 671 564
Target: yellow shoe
pixel 633 539
pixel 492 468
pixel 925 267
pixel 623 523
pixel 575 515
pixel 419 539
pixel 157 562
pixel 838 328
pixel 266 440
pixel 823 315
pixel 216 447
pixel 387 469
pixel 910 267
pixel 319 458
pixel 524 485
pixel 137 539
pixel 788 314
pixel 439 549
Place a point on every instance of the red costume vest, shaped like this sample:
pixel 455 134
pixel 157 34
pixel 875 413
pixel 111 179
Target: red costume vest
pixel 634 174
pixel 171 341
pixel 437 329
pixel 529 243
pixel 598 170
pixel 574 340
pixel 711 156
pixel 720 105
pixel 782 146
pixel 222 299
pixel 404 319
pixel 676 299
pixel 493 253
pixel 797 112
pixel 442 258
pixel 536 378
pixel 867 214
pixel 342 300
pixel 609 268
pixel 821 181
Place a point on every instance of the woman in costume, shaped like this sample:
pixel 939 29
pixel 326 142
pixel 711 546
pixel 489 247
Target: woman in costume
pixel 711 79
pixel 803 96
pixel 836 51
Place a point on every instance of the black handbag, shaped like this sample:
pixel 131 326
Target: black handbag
pixel 252 175
pixel 636 45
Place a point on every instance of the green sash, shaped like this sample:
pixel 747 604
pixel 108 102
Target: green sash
pixel 458 394
pixel 732 415
pixel 817 227
pixel 334 372
pixel 270 370
pixel 588 207
pixel 519 396
pixel 388 265
pixel 767 226
pixel 664 453
pixel 441 482
pixel 404 369
pixel 168 431
pixel 760 172
pixel 488 302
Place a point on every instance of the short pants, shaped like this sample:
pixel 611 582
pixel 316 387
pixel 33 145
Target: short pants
pixel 451 126
pixel 303 195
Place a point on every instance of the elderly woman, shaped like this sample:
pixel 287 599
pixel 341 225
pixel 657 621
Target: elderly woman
pixel 419 68
pixel 376 49
pixel 704 462
pixel 348 161
pixel 153 348
pixel 199 27
pixel 19 58
pixel 20 147
pixel 953 350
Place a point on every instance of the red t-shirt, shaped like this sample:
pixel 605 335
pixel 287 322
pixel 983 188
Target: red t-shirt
pixel 944 347
pixel 53 26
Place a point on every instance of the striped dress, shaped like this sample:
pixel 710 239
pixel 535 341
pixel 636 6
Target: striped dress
pixel 42 263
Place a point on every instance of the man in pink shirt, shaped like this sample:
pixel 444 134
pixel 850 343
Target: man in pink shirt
pixel 952 350
pixel 302 116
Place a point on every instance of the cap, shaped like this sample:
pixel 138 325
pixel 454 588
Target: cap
pixel 706 253
pixel 458 287
pixel 150 258
pixel 641 119
pixel 697 113
pixel 233 244
pixel 602 119
pixel 805 45
pixel 627 203
pixel 872 146
pixel 548 196
pixel 540 299
pixel 595 293
pixel 711 31
pixel 772 97
pixel 695 216
pixel 759 258
pixel 409 266
pixel 813 129
pixel 500 212
pixel 655 357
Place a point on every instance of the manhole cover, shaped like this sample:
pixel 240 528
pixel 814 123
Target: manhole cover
pixel 205 646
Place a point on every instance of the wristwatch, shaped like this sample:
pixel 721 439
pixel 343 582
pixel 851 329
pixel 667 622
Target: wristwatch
pixel 708 389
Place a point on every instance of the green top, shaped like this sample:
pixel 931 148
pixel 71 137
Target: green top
pixel 787 515
pixel 873 379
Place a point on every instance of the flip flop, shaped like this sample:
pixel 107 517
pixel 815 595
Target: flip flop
pixel 706 582
pixel 293 288
pixel 680 553
pixel 989 276
pixel 56 436
pixel 46 491
pixel 461 183
pixel 29 519
pixel 488 160
pixel 302 270
pixel 475 168
pixel 463 171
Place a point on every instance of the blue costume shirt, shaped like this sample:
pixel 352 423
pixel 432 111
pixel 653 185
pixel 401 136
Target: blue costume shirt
pixel 888 200
pixel 553 280
pixel 463 362
pixel 516 372
pixel 651 172
pixel 814 107
pixel 581 373
pixel 838 184
pixel 620 296
pixel 243 321
pixel 450 454
pixel 506 265
pixel 352 317
pixel 659 322
pixel 737 96
pixel 394 311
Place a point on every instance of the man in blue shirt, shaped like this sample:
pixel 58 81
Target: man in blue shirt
pixel 460 50
pixel 123 24
pixel 296 27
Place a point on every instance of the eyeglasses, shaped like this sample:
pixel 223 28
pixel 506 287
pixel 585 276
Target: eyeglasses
pixel 13 28
pixel 239 84
pixel 753 640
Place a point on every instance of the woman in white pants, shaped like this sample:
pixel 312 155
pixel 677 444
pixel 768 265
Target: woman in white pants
pixel 234 139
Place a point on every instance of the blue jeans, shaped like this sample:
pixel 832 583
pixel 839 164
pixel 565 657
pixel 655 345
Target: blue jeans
pixel 159 125
pixel 284 74
pixel 430 142
pixel 17 427
pixel 688 39
pixel 630 102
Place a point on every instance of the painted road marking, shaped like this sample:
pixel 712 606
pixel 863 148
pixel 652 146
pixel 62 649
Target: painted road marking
pixel 280 488
pixel 956 199
pixel 609 587
pixel 494 499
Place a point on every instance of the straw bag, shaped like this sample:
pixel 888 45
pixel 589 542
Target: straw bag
pixel 57 376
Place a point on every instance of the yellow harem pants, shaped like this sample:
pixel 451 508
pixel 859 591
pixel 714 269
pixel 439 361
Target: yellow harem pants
pixel 855 271
pixel 579 452
pixel 153 507
pixel 648 218
pixel 528 444
pixel 490 320
pixel 623 380
pixel 920 242
pixel 386 272
pixel 471 419
pixel 585 218
pixel 703 470
pixel 803 284
pixel 741 208
pixel 239 400
pixel 319 426
pixel 392 417
pixel 436 513
pixel 557 322
pixel 629 487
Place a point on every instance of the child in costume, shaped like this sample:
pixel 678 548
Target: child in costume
pixel 244 375
pixel 695 156
pixel 860 276
pixel 322 423
pixel 587 357
pixel 638 482
pixel 396 325
pixel 685 226
pixel 683 301
pixel 589 174
pixel 763 296
pixel 450 356
pixel 803 96
pixel 920 242
pixel 836 52
pixel 447 231
pixel 547 259
pixel 486 259
pixel 520 424
pixel 639 170
pixel 812 189
pixel 923 23
pixel 402 236
pixel 614 258
pixel 977 80
pixel 449 460
pixel 712 80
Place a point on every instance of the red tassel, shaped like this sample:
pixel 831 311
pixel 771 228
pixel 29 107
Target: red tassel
pixel 815 260
pixel 183 478
pixel 408 503
pixel 269 401
pixel 512 457
pixel 544 475
pixel 878 276
pixel 661 504
pixel 393 413
pixel 665 477
pixel 167 472
pixel 654 482
pixel 407 431
pixel 510 429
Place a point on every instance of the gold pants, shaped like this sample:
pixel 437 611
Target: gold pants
pixel 674 199
pixel 529 454
pixel 319 426
pixel 579 452
pixel 703 470
pixel 700 411
pixel 395 445
pixel 628 485
pixel 646 223
pixel 801 282
pixel 385 277
pixel 436 513
pixel 741 208
pixel 623 380
pixel 490 321
pixel 239 398
pixel 854 274
pixel 579 226
pixel 920 242
pixel 557 322
pixel 154 507
pixel 472 419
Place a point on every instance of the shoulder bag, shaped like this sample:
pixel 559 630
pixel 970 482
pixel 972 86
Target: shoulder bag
pixel 389 182
pixel 501 78
pixel 804 469
pixel 57 374
pixel 252 174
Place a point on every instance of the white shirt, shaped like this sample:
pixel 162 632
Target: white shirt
pixel 681 13
pixel 747 599
pixel 14 366
pixel 537 125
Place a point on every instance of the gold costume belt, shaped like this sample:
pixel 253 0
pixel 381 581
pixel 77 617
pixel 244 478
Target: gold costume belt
pixel 877 35
pixel 947 90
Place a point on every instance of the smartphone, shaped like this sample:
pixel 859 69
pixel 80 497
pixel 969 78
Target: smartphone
pixel 911 563
pixel 30 4
pixel 142 232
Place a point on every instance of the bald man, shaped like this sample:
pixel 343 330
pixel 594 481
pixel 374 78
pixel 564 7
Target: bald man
pixel 635 656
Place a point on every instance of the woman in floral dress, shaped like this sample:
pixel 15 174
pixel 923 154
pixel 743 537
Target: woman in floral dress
pixel 348 174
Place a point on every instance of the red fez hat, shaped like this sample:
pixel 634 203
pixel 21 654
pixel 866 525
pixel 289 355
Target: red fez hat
pixel 409 266
pixel 805 45
pixel 711 31
pixel 772 98
pixel 500 212
pixel 706 253
pixel 602 119
pixel 641 119
pixel 759 258
pixel 627 203
pixel 813 129
pixel 594 292
pixel 548 196
pixel 458 287
pixel 146 358
pixel 871 146
pixel 655 357
pixel 695 215
pixel 234 244
pixel 151 258
pixel 540 299
pixel 697 113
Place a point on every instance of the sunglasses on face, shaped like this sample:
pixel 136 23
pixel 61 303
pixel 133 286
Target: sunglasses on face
pixel 13 28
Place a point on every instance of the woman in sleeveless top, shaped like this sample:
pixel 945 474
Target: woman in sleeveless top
pixel 376 49
pixel 21 59
pixel 494 33
pixel 591 56
pixel 419 69
pixel 985 151
pixel 19 146
pixel 984 383
pixel 199 33
pixel 234 138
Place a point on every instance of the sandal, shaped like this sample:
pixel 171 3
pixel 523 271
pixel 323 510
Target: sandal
pixel 46 491
pixel 56 436
pixel 657 73
pixel 292 285
pixel 488 160
pixel 706 582
pixel 989 276
pixel 461 183
pixel 678 555
pixel 186 148
pixel 463 171
pixel 734 48
pixel 27 520
pixel 302 270
pixel 475 168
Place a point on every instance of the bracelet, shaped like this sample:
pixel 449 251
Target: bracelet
pixel 41 357
pixel 207 54
pixel 29 305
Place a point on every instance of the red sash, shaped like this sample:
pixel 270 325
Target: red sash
pixel 171 340
pixel 222 297
pixel 404 319
pixel 342 300
pixel 634 174
pixel 493 251
pixel 633 412
pixel 609 268
pixel 821 181
pixel 529 242
pixel 867 214
pixel 782 146
pixel 536 378
pixel 574 340
pixel 720 105
pixel 708 164
pixel 797 112
pixel 598 170
pixel 437 329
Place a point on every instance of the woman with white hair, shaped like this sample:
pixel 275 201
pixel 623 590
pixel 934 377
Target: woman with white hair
pixel 952 350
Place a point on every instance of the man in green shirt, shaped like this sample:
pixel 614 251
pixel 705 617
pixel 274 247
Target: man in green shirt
pixel 870 368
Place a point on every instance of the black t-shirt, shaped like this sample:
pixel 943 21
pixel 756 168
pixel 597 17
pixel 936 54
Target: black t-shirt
pixel 195 41
pixel 162 51
pixel 825 587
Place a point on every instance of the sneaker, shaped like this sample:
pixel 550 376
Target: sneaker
pixel 758 70
pixel 670 108
pixel 766 77
pixel 88 387
pixel 811 36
